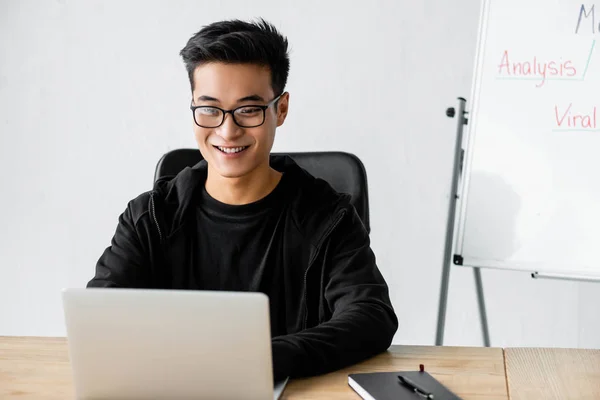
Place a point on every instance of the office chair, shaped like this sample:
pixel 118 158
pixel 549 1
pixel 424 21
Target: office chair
pixel 343 171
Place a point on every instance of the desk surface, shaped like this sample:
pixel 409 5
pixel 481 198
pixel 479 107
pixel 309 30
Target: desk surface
pixel 38 368
pixel 470 372
pixel 478 373
pixel 553 373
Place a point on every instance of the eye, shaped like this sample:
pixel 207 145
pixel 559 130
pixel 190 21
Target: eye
pixel 249 111
pixel 208 111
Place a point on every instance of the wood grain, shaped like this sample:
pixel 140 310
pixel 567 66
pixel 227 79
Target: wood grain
pixel 471 373
pixel 35 368
pixel 538 373
pixel 39 368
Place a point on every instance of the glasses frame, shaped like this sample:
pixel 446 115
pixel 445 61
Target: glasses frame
pixel 263 107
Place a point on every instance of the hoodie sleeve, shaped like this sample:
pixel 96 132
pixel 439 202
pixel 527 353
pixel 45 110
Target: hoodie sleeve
pixel 363 321
pixel 125 262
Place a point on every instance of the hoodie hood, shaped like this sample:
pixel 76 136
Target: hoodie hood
pixel 312 206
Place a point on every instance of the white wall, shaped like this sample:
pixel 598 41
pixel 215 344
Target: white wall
pixel 93 93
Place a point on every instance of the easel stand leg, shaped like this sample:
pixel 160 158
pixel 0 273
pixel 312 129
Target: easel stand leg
pixel 447 260
pixel 448 250
pixel 481 302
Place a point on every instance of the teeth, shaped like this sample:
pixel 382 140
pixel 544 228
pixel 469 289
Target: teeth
pixel 230 150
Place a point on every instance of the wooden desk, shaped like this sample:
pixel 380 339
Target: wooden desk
pixel 470 372
pixel 553 373
pixel 38 368
pixel 35 368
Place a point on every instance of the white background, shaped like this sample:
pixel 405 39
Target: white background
pixel 93 93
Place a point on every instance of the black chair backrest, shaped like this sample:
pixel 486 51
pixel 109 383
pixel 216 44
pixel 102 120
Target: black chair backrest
pixel 343 171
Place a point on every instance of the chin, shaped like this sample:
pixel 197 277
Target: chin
pixel 231 175
pixel 233 172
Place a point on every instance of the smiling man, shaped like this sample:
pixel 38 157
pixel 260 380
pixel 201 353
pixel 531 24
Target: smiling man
pixel 243 220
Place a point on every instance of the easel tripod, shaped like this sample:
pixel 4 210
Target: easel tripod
pixel 449 257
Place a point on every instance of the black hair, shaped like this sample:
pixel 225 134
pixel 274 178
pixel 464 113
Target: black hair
pixel 236 41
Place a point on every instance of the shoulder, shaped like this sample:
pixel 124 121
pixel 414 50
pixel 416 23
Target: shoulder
pixel 140 206
pixel 313 203
pixel 165 206
pixel 317 198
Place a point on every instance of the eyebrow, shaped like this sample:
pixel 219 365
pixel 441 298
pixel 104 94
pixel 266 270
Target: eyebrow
pixel 253 97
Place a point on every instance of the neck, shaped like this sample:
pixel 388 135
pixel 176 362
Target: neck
pixel 242 190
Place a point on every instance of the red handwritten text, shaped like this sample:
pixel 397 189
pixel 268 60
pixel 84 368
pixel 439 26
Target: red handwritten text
pixel 566 118
pixel 535 67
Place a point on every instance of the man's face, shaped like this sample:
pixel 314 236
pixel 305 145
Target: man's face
pixel 229 86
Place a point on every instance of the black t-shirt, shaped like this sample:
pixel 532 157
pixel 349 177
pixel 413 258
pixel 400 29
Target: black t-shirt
pixel 240 248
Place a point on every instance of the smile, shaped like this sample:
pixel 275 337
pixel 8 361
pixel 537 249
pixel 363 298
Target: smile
pixel 231 150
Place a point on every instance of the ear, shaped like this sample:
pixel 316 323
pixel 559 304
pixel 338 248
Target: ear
pixel 282 108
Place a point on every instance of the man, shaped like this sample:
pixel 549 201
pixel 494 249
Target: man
pixel 243 220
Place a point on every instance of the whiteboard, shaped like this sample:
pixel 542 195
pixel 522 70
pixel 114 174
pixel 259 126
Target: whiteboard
pixel 530 192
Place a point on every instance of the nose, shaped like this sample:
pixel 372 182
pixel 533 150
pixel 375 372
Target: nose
pixel 229 130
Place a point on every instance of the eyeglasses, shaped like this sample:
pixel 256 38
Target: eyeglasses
pixel 249 116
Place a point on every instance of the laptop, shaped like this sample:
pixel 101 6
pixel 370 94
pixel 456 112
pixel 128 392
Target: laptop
pixel 169 344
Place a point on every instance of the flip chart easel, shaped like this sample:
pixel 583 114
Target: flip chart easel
pixel 526 179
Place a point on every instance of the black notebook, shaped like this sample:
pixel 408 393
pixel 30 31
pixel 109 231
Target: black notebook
pixel 387 386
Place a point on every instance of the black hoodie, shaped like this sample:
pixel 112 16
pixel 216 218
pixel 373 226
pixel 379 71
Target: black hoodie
pixel 346 314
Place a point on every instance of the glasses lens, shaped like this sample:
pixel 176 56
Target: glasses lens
pixel 249 117
pixel 208 117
